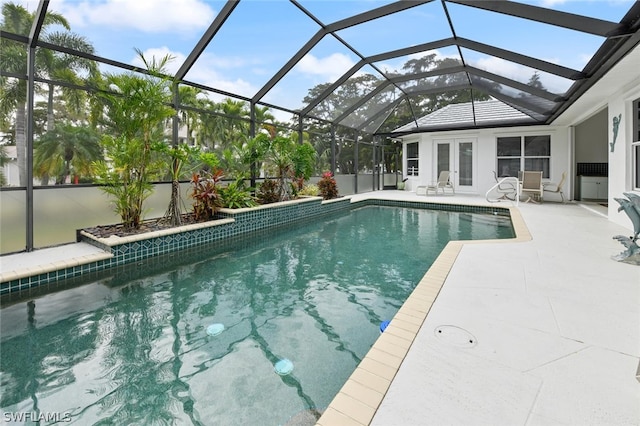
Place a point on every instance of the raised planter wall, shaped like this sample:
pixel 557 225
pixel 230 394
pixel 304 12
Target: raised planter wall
pixel 120 251
pixel 229 223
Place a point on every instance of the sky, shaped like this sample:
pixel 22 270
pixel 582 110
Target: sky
pixel 261 35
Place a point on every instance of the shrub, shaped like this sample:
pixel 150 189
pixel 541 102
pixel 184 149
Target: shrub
pixel 268 192
pixel 328 186
pixel 205 193
pixel 310 189
pixel 236 195
pixel 289 162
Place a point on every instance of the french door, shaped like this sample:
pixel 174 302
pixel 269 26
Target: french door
pixel 458 157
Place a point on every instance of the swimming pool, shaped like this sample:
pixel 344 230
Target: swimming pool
pixel 138 346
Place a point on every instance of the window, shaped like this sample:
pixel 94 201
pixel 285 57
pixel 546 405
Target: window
pixel 516 153
pixel 412 159
pixel 635 144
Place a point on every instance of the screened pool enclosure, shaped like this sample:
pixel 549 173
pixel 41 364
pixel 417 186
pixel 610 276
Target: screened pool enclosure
pixel 348 77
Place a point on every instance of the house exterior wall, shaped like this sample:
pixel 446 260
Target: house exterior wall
pixel 10 167
pixel 620 160
pixel 591 139
pixel 10 171
pixel 564 150
pixel 485 155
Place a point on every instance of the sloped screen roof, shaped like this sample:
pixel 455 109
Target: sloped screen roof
pixel 375 66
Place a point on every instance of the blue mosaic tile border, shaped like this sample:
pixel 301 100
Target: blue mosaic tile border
pixel 27 283
pixel 500 211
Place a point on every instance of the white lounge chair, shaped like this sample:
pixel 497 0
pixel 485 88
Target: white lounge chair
pixel 556 187
pixel 443 183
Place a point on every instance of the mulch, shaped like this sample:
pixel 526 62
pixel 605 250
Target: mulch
pixel 106 231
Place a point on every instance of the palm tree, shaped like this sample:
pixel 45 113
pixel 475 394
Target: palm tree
pixel 234 122
pixel 65 67
pixel 18 20
pixel 206 125
pixel 135 114
pixel 67 148
pixel 189 96
pixel 3 160
pixel 264 116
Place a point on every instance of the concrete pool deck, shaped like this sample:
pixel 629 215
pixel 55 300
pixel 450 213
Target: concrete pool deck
pixel 539 330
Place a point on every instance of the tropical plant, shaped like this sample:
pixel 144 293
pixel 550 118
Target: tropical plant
pixel 303 159
pixel 205 193
pixel 65 150
pixel 328 186
pixel 310 189
pixel 179 157
pixel 236 195
pixel 189 96
pixel 286 160
pixel 136 108
pixel 237 158
pixel 52 64
pixel 268 192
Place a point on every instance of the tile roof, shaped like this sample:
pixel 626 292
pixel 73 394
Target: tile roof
pixel 487 113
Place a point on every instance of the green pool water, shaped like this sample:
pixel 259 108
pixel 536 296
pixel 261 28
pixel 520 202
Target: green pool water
pixel 131 346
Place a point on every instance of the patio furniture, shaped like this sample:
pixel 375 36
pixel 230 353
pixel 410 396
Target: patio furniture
pixel 556 187
pixel 532 184
pixel 442 183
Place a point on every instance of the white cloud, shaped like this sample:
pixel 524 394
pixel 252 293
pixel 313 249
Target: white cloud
pixel 330 67
pixel 174 16
pixel 212 71
pixel 521 73
pixel 205 71
pixel 583 59
pixel 551 3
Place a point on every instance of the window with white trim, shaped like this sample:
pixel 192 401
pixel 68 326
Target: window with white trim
pixel 635 145
pixel 517 153
pixel 412 159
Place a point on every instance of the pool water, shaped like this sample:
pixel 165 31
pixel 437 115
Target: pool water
pixel 261 331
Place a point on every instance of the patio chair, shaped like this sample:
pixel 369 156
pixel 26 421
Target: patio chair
pixel 532 184
pixel 442 183
pixel 556 187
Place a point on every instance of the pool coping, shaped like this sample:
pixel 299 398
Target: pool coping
pixel 360 397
